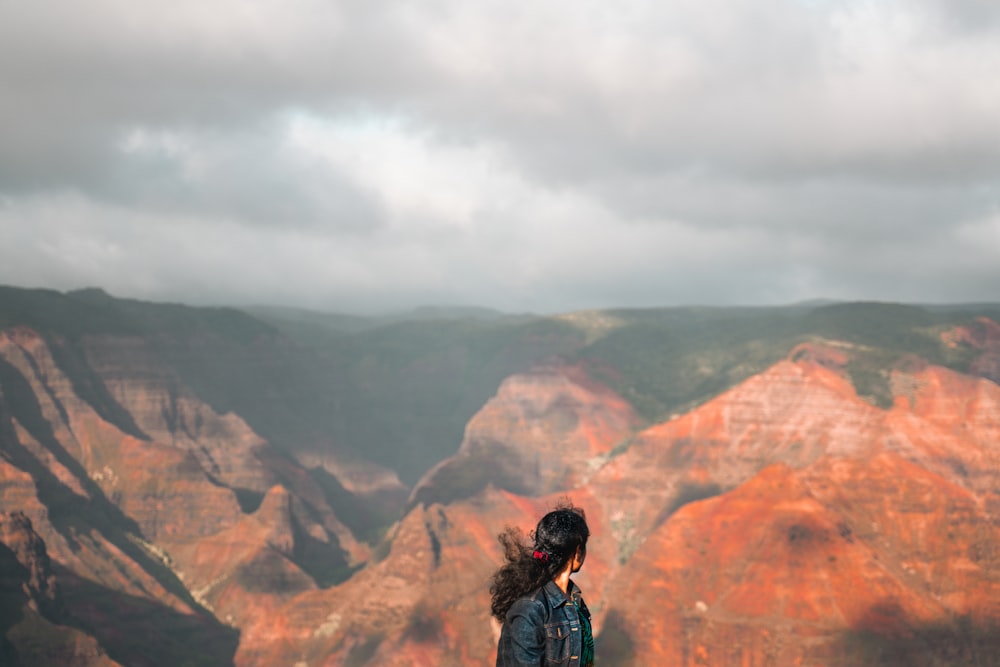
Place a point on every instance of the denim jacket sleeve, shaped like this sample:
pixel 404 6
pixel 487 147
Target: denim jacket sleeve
pixel 522 639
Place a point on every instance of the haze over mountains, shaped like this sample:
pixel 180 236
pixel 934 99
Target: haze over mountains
pixel 805 485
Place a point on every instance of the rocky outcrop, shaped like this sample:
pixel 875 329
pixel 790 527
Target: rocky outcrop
pixel 68 510
pixel 167 412
pixel 792 566
pixel 246 571
pixel 28 549
pixel 543 432
pixel 423 601
pixel 148 496
pixel 31 608
pixel 159 485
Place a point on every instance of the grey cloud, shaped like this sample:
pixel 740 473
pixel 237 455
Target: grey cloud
pixel 798 96
pixel 243 176
pixel 74 77
pixel 546 155
pixel 748 90
pixel 977 17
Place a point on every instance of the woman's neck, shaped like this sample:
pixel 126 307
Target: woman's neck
pixel 562 581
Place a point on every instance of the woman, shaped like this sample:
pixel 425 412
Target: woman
pixel 545 621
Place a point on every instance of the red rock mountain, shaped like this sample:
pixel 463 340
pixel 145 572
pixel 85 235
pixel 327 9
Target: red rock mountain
pixel 784 522
pixel 141 511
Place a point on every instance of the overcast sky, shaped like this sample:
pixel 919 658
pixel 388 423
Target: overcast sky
pixel 538 156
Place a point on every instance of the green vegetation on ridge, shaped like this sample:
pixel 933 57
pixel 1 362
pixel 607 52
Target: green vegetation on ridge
pixel 667 361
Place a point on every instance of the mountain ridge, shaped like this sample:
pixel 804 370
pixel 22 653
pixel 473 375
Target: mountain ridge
pixel 189 475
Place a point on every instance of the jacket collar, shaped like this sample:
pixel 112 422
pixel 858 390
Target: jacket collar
pixel 555 595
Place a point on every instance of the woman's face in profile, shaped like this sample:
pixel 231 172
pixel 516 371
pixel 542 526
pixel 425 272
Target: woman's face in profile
pixel 581 555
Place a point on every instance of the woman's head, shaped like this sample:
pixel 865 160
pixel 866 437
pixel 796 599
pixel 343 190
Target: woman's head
pixel 558 537
pixel 561 534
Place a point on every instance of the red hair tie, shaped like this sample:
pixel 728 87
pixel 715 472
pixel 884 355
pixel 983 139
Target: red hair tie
pixel 541 555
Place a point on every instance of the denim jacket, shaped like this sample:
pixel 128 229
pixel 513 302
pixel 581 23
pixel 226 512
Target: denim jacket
pixel 543 629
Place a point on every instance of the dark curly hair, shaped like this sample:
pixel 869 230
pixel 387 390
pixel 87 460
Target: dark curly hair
pixel 559 534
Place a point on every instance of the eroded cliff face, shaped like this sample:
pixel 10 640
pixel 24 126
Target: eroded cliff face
pixel 806 566
pixel 423 597
pixel 787 521
pixel 840 529
pixel 544 432
pixel 167 412
pixel 147 499
pixel 31 607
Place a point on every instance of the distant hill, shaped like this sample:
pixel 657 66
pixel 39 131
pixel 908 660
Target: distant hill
pixel 302 320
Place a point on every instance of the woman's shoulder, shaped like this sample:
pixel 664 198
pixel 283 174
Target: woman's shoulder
pixel 530 604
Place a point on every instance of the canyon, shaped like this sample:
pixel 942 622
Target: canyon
pixel 200 486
